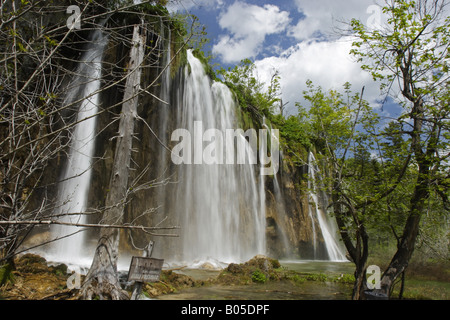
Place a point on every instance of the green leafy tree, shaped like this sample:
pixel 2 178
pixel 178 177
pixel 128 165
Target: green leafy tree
pixel 252 94
pixel 337 124
pixel 411 53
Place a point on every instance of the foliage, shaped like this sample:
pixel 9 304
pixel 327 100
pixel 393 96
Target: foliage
pixel 417 37
pixel 253 96
pixel 293 136
pixel 297 279
pixel 345 278
pixel 317 277
pixel 331 117
pixel 386 176
pixel 258 276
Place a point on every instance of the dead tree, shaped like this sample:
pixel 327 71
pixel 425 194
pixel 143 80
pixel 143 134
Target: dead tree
pixel 102 278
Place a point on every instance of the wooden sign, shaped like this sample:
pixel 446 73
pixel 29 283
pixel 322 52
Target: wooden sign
pixel 145 269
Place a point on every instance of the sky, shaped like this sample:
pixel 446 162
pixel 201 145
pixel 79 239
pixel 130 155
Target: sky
pixel 298 38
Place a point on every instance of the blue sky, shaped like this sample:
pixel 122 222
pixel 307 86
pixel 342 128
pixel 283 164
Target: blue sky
pixel 298 38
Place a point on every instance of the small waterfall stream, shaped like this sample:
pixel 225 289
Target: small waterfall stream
pixel 327 226
pixel 74 188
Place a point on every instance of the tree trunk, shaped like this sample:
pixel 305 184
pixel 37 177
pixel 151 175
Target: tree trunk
pixel 417 203
pixel 102 279
pixel 359 253
pixel 406 247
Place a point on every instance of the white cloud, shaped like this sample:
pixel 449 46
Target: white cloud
pixel 314 53
pixel 248 26
pixel 326 64
pixel 322 18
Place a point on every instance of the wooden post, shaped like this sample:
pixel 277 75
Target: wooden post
pixel 137 289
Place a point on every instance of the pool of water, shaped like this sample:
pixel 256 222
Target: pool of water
pixel 276 290
pixel 283 290
pixel 318 266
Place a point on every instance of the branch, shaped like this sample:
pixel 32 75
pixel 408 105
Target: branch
pixel 391 189
pixel 49 222
pixel 353 131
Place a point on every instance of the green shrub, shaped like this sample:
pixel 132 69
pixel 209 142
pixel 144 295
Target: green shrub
pixel 297 279
pixel 346 278
pixel 317 277
pixel 258 276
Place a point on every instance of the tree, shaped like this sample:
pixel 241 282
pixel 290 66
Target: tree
pixel 337 124
pixel 411 52
pixel 102 279
pixel 252 94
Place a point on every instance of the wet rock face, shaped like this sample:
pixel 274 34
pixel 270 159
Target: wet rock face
pixel 288 226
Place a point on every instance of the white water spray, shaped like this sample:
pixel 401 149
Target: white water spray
pixel 327 225
pixel 221 207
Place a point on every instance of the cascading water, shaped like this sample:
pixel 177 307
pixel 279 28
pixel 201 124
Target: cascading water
pixel 221 207
pixel 327 226
pixel 74 188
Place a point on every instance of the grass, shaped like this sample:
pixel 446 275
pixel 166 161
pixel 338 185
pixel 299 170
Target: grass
pixel 420 289
pixel 426 278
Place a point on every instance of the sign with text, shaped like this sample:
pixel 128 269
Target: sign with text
pixel 145 269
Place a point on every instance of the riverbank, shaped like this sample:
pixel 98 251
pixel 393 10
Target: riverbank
pixel 260 278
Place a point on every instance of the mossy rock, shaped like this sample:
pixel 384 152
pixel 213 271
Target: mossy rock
pixel 177 280
pixel 6 274
pixel 262 263
pixel 235 268
pixel 60 269
pixel 169 282
pixel 30 258
pixel 259 269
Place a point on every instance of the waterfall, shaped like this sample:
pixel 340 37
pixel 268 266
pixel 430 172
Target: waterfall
pixel 221 207
pixel 74 187
pixel 327 225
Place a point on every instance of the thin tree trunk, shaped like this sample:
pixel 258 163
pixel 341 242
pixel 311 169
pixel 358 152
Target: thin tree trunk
pixel 102 279
pixel 404 252
pixel 358 253
pixel 417 204
pixel 402 286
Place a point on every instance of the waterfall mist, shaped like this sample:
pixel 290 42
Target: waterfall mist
pixel 220 207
